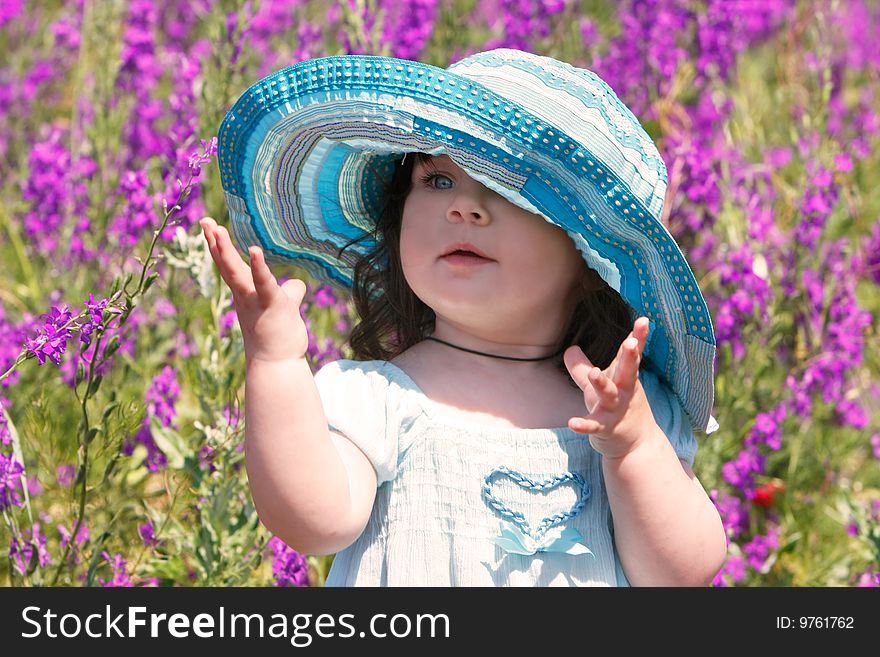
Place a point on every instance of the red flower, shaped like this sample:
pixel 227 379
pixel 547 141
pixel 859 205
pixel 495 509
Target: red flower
pixel 765 495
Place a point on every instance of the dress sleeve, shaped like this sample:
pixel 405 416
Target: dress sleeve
pixel 354 396
pixel 670 416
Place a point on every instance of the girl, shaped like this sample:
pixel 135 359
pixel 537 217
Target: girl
pixel 533 354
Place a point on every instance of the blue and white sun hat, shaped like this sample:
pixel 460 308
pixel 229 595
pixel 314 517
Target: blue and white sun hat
pixel 303 152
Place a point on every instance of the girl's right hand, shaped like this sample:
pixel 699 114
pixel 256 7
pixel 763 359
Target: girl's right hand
pixel 268 313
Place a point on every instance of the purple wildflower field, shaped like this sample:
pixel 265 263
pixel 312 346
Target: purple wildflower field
pixel 121 361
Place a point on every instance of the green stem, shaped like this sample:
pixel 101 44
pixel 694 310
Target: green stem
pixel 84 466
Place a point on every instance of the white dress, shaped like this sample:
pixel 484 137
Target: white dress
pixel 444 494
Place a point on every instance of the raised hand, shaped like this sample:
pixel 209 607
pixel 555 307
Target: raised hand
pixel 268 313
pixel 618 410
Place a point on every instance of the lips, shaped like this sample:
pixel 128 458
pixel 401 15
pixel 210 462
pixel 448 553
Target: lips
pixel 465 249
pixel 467 254
pixel 466 261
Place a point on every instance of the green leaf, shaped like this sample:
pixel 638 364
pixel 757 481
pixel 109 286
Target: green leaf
pixel 169 441
pixel 94 385
pixel 150 280
pixel 171 568
pixel 111 465
pixel 90 436
pixel 107 410
pixel 112 346
pixel 34 560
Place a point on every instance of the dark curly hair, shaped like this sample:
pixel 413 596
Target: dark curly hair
pixel 396 319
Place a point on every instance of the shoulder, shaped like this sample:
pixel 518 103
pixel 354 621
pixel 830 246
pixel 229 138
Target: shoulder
pixel 350 369
pixel 361 379
pixel 377 385
pixel 357 405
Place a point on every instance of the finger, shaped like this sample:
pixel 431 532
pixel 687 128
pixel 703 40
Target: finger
pixel 209 231
pixel 631 351
pixel 233 269
pixel 264 282
pixel 640 332
pixel 578 365
pixel 607 391
pixel 585 425
pixel 640 335
pixel 295 289
pixel 628 367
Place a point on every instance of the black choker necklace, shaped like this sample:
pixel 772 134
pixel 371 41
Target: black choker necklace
pixel 493 355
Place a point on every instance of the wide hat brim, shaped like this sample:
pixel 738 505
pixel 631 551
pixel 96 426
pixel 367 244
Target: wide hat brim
pixel 304 151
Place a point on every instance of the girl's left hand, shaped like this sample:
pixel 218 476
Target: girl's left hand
pixel 620 411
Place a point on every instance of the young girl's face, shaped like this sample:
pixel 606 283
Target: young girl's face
pixel 534 265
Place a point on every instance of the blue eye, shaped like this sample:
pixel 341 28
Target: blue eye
pixel 428 178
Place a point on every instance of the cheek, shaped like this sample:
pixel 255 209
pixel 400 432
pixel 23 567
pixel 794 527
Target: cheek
pixel 550 253
pixel 415 241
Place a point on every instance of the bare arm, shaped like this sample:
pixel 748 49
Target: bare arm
pixel 668 532
pixel 314 489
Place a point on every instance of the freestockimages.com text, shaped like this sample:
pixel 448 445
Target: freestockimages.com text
pixel 300 629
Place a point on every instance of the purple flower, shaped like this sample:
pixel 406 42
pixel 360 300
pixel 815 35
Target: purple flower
pixel 34 486
pixel 31 545
pixel 5 403
pixel 56 193
pixel 749 293
pixel 851 413
pixel 408 25
pixel 232 415
pixel 868 578
pixel 120 576
pixel 147 532
pixel 156 459
pixel 51 341
pixel 9 9
pixel 870 267
pixel 162 394
pixel 289 566
pixel 589 32
pixel 226 322
pixel 95 310
pixel 164 308
pixel 64 475
pixel 10 481
pixel 137 217
pixel 843 162
pixel 740 472
pixel 733 571
pixel 875 445
pixel 758 549
pixel 777 157
pixel 197 160
pixel 325 297
pixel 206 458
pixel 734 513
pixel 81 536
pixel 819 199
pixel 767 429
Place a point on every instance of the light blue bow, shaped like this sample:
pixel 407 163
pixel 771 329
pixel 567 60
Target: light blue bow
pixel 515 541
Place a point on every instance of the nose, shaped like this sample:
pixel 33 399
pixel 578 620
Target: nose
pixel 467 205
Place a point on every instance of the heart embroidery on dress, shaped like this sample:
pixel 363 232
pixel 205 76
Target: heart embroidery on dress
pixel 517 535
